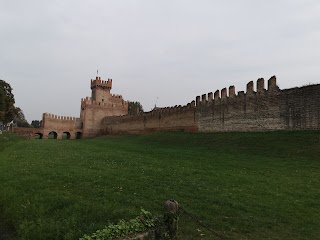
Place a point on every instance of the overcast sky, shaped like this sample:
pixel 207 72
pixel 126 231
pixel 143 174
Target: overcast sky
pixel 163 52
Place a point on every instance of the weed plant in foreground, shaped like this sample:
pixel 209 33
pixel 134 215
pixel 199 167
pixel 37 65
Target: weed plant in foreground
pixel 239 185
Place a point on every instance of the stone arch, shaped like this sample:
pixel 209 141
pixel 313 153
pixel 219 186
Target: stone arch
pixel 78 135
pixel 52 135
pixel 66 135
pixel 38 135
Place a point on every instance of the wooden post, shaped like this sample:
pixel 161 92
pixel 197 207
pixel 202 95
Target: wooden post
pixel 171 217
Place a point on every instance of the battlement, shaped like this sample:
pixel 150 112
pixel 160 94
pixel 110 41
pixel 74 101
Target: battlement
pixel 86 100
pixel 98 83
pixel 116 96
pixel 60 124
pixel 176 118
pixel 156 113
pixel 225 94
pixel 57 117
pixel 116 100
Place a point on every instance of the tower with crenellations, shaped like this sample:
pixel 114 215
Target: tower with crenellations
pixel 100 89
pixel 101 104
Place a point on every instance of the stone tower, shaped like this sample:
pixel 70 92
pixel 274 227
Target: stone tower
pixel 100 105
pixel 100 89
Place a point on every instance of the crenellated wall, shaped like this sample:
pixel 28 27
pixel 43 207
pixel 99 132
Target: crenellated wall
pixel 101 83
pixel 253 110
pixel 60 124
pixel 114 101
pixel 261 109
pixel 53 123
pixel 177 118
pixel 257 109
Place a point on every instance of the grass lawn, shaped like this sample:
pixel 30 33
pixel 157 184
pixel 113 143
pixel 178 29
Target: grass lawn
pixel 240 185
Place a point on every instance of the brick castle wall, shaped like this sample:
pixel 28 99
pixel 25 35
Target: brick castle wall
pixel 300 108
pixel 60 124
pixel 261 110
pixel 177 118
pixel 93 114
pixel 247 111
pixel 257 109
pixel 27 132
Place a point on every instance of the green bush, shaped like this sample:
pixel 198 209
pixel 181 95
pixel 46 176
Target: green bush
pixel 143 223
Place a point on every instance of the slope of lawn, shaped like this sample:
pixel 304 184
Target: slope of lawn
pixel 239 185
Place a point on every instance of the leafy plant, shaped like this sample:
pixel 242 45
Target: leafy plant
pixel 144 222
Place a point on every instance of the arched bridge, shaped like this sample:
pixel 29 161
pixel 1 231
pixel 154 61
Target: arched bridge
pixel 41 133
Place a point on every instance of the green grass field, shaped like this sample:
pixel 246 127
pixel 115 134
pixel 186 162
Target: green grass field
pixel 240 185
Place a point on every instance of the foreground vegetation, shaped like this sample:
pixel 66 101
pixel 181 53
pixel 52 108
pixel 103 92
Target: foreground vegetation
pixel 239 185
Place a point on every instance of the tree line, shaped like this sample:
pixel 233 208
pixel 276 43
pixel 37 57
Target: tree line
pixel 9 113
